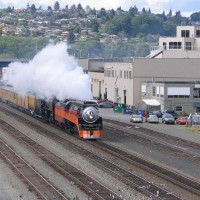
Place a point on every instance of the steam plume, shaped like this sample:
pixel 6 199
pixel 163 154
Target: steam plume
pixel 51 72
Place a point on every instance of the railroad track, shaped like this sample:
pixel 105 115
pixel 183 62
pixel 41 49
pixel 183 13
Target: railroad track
pixel 187 149
pixel 188 184
pixel 36 182
pixel 190 148
pixel 134 181
pixel 92 188
pixel 174 177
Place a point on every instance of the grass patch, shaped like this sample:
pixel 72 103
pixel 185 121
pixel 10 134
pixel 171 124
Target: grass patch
pixel 194 128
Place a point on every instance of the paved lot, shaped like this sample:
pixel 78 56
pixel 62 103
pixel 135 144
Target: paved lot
pixel 182 131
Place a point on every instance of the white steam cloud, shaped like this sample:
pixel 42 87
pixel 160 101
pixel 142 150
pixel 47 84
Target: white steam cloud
pixel 51 72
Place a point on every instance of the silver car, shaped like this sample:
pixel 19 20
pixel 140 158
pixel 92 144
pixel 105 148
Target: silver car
pixel 136 118
pixel 153 119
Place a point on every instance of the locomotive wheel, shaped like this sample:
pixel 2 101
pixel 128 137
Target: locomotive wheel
pixel 74 130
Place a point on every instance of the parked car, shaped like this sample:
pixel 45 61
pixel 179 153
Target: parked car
pixel 153 119
pixel 172 112
pixel 106 104
pixel 136 118
pixel 102 100
pixel 168 119
pixel 158 113
pixel 182 120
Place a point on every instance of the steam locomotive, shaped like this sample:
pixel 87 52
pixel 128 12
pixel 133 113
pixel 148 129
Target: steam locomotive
pixel 79 117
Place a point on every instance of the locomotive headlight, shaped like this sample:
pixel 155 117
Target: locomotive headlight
pixel 90 114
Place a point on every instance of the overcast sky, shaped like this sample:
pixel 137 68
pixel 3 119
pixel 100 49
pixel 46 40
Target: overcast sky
pixel 186 7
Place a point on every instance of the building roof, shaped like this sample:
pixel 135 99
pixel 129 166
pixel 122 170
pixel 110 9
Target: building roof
pixel 151 102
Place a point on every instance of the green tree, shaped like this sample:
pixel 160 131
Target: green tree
pixel 49 8
pixel 133 11
pixel 57 6
pixel 21 47
pixel 66 8
pixel 144 11
pixel 94 25
pixel 33 8
pixel 169 28
pixel 177 18
pixel 170 13
pixel 111 14
pixel 79 7
pixel 9 9
pixel 120 23
pixel 70 37
pixel 93 11
pixel 195 16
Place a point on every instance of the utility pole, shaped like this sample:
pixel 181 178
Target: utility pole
pixel 36 46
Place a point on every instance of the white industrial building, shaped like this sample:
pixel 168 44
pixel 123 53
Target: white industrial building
pixel 174 64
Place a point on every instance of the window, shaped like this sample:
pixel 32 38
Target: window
pixel 178 108
pixel 109 73
pixel 154 91
pixel 198 33
pixel 126 74
pixel 112 73
pixel 143 88
pixel 106 73
pixel 157 91
pixel 164 45
pixel 174 45
pixel 130 75
pixel 196 93
pixel 161 91
pixel 188 46
pixel 185 33
pixel 178 92
pixel 120 74
pixel 178 96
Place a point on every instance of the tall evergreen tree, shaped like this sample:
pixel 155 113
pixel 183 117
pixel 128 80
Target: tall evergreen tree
pixel 49 8
pixel 9 9
pixel 57 6
pixel 133 11
pixel 144 11
pixel 70 37
pixel 170 13
pixel 33 8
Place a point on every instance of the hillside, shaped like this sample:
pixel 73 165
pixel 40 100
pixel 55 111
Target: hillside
pixel 89 32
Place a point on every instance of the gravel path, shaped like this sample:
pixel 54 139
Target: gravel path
pixel 11 187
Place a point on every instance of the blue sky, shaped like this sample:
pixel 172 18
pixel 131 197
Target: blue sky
pixel 186 7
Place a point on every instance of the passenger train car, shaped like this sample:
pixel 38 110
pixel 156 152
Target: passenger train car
pixel 79 117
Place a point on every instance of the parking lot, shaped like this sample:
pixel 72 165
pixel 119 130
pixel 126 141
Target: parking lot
pixel 182 131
